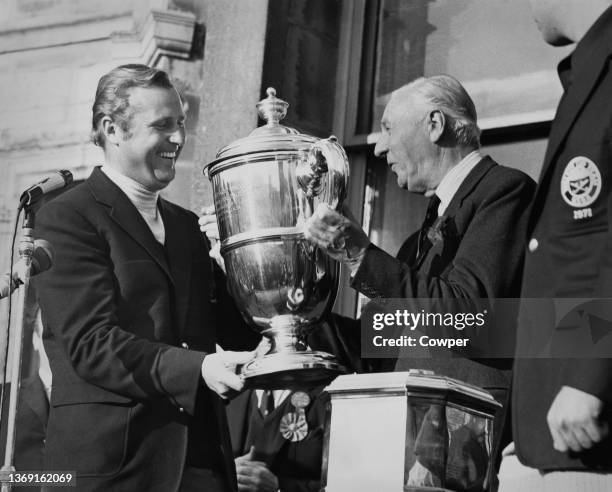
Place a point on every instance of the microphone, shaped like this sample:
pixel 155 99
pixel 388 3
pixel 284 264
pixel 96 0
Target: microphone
pixel 42 259
pixel 54 181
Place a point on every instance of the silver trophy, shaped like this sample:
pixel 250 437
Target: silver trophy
pixel 265 186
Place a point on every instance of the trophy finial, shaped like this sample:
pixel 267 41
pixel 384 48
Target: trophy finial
pixel 272 109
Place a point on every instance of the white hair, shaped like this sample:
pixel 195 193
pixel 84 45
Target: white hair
pixel 446 94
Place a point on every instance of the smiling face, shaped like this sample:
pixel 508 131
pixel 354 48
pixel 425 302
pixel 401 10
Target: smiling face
pixel 406 143
pixel 148 149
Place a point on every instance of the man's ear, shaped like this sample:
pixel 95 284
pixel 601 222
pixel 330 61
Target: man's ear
pixel 436 123
pixel 113 134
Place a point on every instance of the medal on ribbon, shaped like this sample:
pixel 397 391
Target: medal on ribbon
pixel 293 425
pixel 300 400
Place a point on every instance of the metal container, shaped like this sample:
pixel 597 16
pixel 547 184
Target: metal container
pixel 265 186
pixel 407 431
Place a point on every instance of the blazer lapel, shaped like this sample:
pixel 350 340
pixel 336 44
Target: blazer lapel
pixel 455 204
pixel 125 214
pixel 179 257
pixel 586 69
pixel 238 417
pixel 230 435
pixel 427 244
pixel 569 109
pixel 470 181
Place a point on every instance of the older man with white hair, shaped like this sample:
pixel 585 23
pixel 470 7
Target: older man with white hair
pixel 431 141
pixel 471 242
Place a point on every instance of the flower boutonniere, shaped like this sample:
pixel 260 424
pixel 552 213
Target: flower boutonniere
pixel 439 230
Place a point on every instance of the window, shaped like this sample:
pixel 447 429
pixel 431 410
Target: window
pixel 492 46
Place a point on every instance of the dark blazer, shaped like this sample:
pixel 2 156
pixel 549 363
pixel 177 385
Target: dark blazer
pixel 570 256
pixel 297 465
pixel 127 324
pixel 478 254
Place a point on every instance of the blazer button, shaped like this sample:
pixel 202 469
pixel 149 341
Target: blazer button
pixel 184 345
pixel 533 245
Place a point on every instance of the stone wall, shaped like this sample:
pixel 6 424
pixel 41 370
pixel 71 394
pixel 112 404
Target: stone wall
pixel 52 53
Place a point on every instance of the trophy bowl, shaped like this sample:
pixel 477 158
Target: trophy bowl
pixel 265 186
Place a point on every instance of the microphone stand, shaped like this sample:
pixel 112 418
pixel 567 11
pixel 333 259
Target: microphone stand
pixel 26 250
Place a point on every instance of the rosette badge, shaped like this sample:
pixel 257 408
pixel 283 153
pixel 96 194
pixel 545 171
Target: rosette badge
pixel 264 186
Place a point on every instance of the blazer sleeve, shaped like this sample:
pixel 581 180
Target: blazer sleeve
pixel 78 301
pixel 487 263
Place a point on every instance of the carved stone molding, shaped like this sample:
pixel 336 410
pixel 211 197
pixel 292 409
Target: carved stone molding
pixel 163 33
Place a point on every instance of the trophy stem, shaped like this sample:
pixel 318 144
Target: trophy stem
pixel 289 362
pixel 285 337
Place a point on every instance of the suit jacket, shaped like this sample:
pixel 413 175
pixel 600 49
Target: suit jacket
pixel 570 256
pixel 127 324
pixel 479 254
pixel 297 465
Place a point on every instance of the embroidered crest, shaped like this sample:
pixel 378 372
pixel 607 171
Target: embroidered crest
pixel 581 182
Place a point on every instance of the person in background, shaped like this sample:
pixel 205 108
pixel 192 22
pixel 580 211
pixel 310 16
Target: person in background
pixel 562 392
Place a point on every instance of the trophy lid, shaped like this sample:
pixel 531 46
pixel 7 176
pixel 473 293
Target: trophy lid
pixel 270 137
pixel 425 383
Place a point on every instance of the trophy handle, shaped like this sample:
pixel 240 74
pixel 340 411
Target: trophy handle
pixel 325 172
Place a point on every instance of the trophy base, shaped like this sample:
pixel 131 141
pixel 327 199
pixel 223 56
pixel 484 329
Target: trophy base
pixel 291 370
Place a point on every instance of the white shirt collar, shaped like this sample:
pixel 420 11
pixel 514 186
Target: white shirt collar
pixel 279 396
pixel 451 182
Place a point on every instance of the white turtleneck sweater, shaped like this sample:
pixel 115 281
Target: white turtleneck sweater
pixel 144 200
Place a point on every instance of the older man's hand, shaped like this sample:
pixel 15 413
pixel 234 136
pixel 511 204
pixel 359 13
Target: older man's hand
pixel 254 476
pixel 339 235
pixel 209 226
pixel 219 372
pixel 574 420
